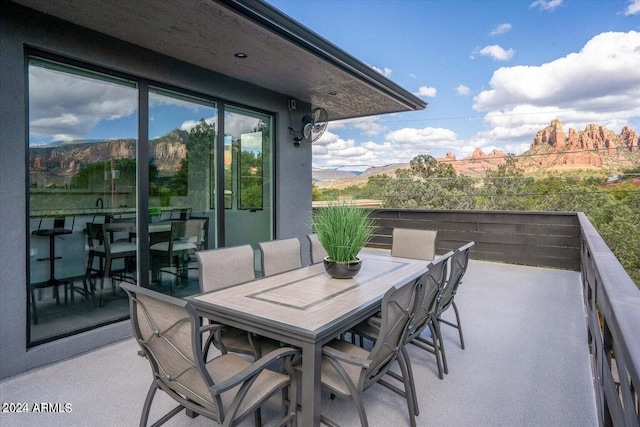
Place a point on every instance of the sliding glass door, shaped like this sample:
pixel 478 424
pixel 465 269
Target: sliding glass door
pixel 91 169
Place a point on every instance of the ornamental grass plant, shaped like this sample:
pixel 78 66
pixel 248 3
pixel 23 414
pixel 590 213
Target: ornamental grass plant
pixel 343 230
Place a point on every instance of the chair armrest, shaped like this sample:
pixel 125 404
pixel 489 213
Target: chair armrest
pixel 344 357
pixel 253 369
pixel 211 327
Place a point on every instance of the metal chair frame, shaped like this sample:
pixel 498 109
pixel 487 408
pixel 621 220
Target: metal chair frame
pixel 179 369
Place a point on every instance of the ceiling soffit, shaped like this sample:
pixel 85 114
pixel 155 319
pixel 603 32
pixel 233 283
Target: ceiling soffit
pixel 282 55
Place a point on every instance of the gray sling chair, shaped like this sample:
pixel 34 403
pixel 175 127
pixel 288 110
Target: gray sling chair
pixel 222 268
pixel 348 370
pixel 173 253
pixel 457 268
pixel 317 251
pixel 278 256
pixel 416 244
pixel 226 389
pixel 100 246
pixel 431 284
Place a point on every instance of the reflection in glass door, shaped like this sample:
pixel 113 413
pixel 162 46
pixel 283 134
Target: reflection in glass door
pixel 82 197
pixel 248 177
pixel 182 135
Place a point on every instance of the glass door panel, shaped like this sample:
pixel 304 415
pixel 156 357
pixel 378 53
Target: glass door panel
pixel 248 177
pixel 82 171
pixel 182 135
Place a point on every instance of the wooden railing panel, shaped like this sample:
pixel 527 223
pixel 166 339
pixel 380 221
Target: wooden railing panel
pixel 529 238
pixel 612 304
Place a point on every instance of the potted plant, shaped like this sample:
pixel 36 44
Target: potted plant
pixel 343 230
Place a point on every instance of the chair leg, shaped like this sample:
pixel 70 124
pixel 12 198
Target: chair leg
pixel 258 417
pixel 408 389
pixel 360 407
pixel 404 354
pixel 34 313
pixel 437 347
pixel 144 418
pixel 293 402
pixel 441 341
pixel 455 308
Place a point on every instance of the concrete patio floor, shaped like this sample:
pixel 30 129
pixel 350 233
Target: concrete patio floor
pixel 526 363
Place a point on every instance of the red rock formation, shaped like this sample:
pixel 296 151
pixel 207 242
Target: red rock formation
pixel 477 164
pixel 592 138
pixel 552 135
pixel 630 138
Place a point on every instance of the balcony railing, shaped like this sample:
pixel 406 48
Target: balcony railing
pixel 560 240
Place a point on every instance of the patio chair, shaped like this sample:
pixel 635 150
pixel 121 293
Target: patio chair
pixel 317 251
pixel 278 256
pixel 348 370
pixel 458 266
pixel 416 244
pixel 222 268
pixel 174 252
pixel 122 228
pixel 226 389
pixel 431 284
pixel 434 282
pixel 99 245
pixel 203 227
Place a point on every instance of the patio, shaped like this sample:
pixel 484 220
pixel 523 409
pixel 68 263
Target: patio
pixel 526 362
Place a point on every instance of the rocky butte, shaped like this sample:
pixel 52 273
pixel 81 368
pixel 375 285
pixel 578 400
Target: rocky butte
pixel 594 148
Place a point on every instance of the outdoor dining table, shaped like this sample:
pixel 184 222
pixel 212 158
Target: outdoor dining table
pixel 307 308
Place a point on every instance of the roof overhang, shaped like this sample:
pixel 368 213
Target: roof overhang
pixel 282 55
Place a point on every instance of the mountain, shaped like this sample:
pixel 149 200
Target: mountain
pixel 319 176
pixel 59 161
pixel 477 164
pixel 596 147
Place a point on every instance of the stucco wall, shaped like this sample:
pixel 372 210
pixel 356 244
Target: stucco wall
pixel 20 29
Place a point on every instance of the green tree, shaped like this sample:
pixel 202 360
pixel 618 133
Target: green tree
pixel 192 178
pixel 506 188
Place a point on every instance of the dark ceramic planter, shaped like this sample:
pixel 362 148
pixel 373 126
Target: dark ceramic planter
pixel 342 270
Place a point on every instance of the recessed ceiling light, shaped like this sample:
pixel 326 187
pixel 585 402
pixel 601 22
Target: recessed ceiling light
pixel 241 55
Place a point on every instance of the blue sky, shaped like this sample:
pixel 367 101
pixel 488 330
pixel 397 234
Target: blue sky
pixel 493 71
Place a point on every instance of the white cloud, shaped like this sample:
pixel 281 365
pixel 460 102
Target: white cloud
pixel 427 138
pixel 600 84
pixel 604 75
pixel 384 71
pixel 500 29
pixel 549 5
pixel 190 124
pixel 429 92
pixel 398 147
pixel 633 8
pixel 67 107
pixel 498 53
pixel 332 151
pixel 516 148
pixel 462 90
